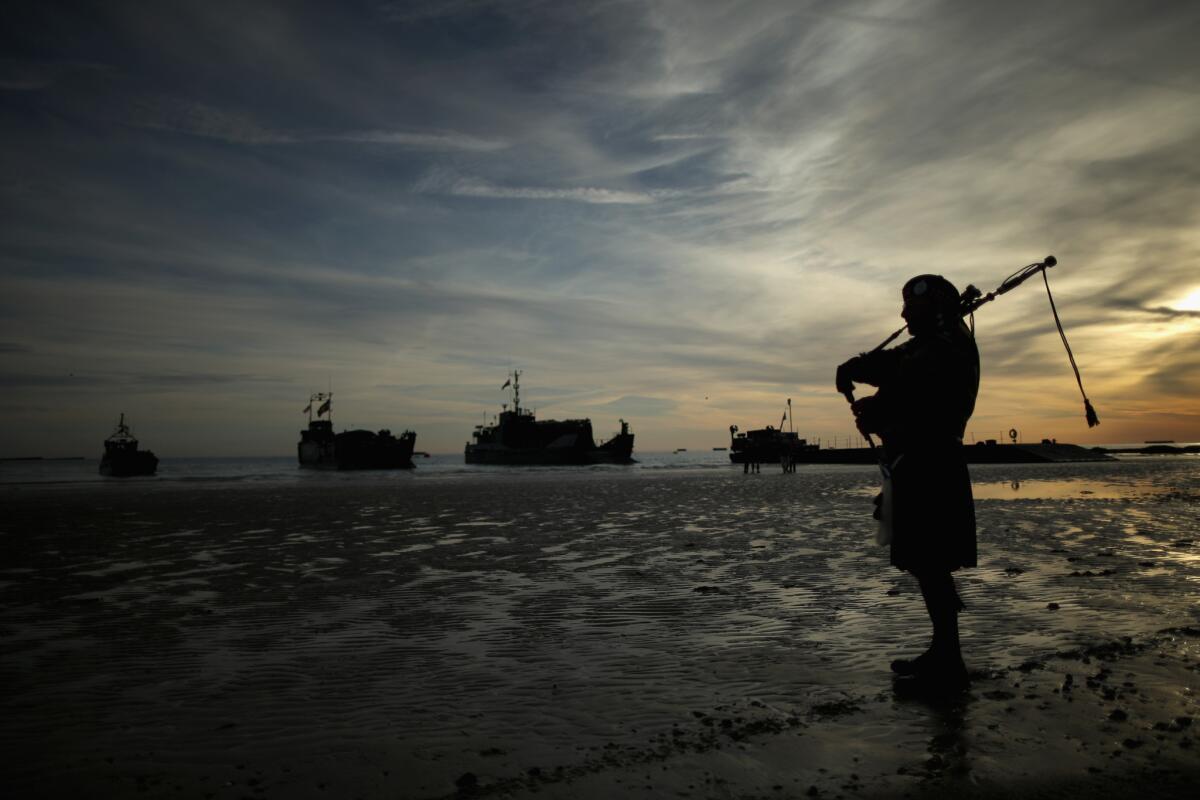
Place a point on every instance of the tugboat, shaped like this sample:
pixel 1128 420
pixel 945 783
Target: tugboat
pixel 122 459
pixel 321 448
pixel 768 445
pixel 518 438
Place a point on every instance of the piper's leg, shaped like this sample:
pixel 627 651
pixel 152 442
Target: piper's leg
pixel 943 604
pixel 943 660
pixel 913 666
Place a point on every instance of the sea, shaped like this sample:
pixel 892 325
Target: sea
pixel 284 469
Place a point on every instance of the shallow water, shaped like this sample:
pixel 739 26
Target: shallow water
pixel 413 631
pixel 284 470
pixel 1083 489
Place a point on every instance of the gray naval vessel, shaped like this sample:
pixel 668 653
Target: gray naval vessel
pixel 518 438
pixel 321 448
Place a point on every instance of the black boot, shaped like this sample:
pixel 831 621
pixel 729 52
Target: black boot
pixel 907 667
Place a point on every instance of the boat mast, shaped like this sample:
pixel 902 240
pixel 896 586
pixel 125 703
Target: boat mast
pixel 517 391
pixel 324 403
pixel 122 432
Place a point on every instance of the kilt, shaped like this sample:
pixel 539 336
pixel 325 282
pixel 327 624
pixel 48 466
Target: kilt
pixel 933 512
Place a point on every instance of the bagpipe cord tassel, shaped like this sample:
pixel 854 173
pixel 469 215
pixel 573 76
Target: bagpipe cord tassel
pixel 1088 412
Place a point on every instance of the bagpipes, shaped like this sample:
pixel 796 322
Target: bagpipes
pixel 972 298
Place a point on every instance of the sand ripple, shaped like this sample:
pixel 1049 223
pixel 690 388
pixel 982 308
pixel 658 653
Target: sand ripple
pixel 270 633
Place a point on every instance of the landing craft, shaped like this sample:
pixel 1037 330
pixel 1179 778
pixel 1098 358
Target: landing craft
pixel 767 445
pixel 321 448
pixel 518 438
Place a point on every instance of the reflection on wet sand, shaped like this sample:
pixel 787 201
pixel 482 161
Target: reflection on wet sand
pixel 948 747
pixel 583 635
pixel 1062 488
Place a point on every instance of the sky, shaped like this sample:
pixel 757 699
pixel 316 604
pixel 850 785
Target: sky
pixel 677 212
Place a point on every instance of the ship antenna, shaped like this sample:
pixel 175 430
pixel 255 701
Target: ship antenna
pixel 517 390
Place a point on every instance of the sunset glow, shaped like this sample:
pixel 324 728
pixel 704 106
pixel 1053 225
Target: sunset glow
pixel 1189 302
pixel 678 213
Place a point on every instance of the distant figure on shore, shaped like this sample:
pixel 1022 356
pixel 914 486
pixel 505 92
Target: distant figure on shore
pixel 927 388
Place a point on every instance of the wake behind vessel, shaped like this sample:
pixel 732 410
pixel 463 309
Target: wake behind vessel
pixel 518 438
pixel 122 459
pixel 321 448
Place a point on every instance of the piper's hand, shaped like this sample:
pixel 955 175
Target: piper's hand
pixel 868 414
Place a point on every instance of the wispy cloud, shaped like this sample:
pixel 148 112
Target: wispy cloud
pixel 439 182
pixel 142 382
pixel 410 11
pixel 636 405
pixel 638 203
pixel 199 119
pixel 425 141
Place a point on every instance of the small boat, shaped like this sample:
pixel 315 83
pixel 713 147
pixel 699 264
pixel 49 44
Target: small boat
pixel 122 459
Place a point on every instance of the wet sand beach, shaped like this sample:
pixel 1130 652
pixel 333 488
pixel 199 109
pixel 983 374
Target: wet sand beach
pixel 593 633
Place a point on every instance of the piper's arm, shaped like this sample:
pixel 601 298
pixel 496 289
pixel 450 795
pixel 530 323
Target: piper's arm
pixel 874 368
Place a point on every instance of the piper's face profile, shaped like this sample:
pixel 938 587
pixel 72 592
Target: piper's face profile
pixel 918 312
